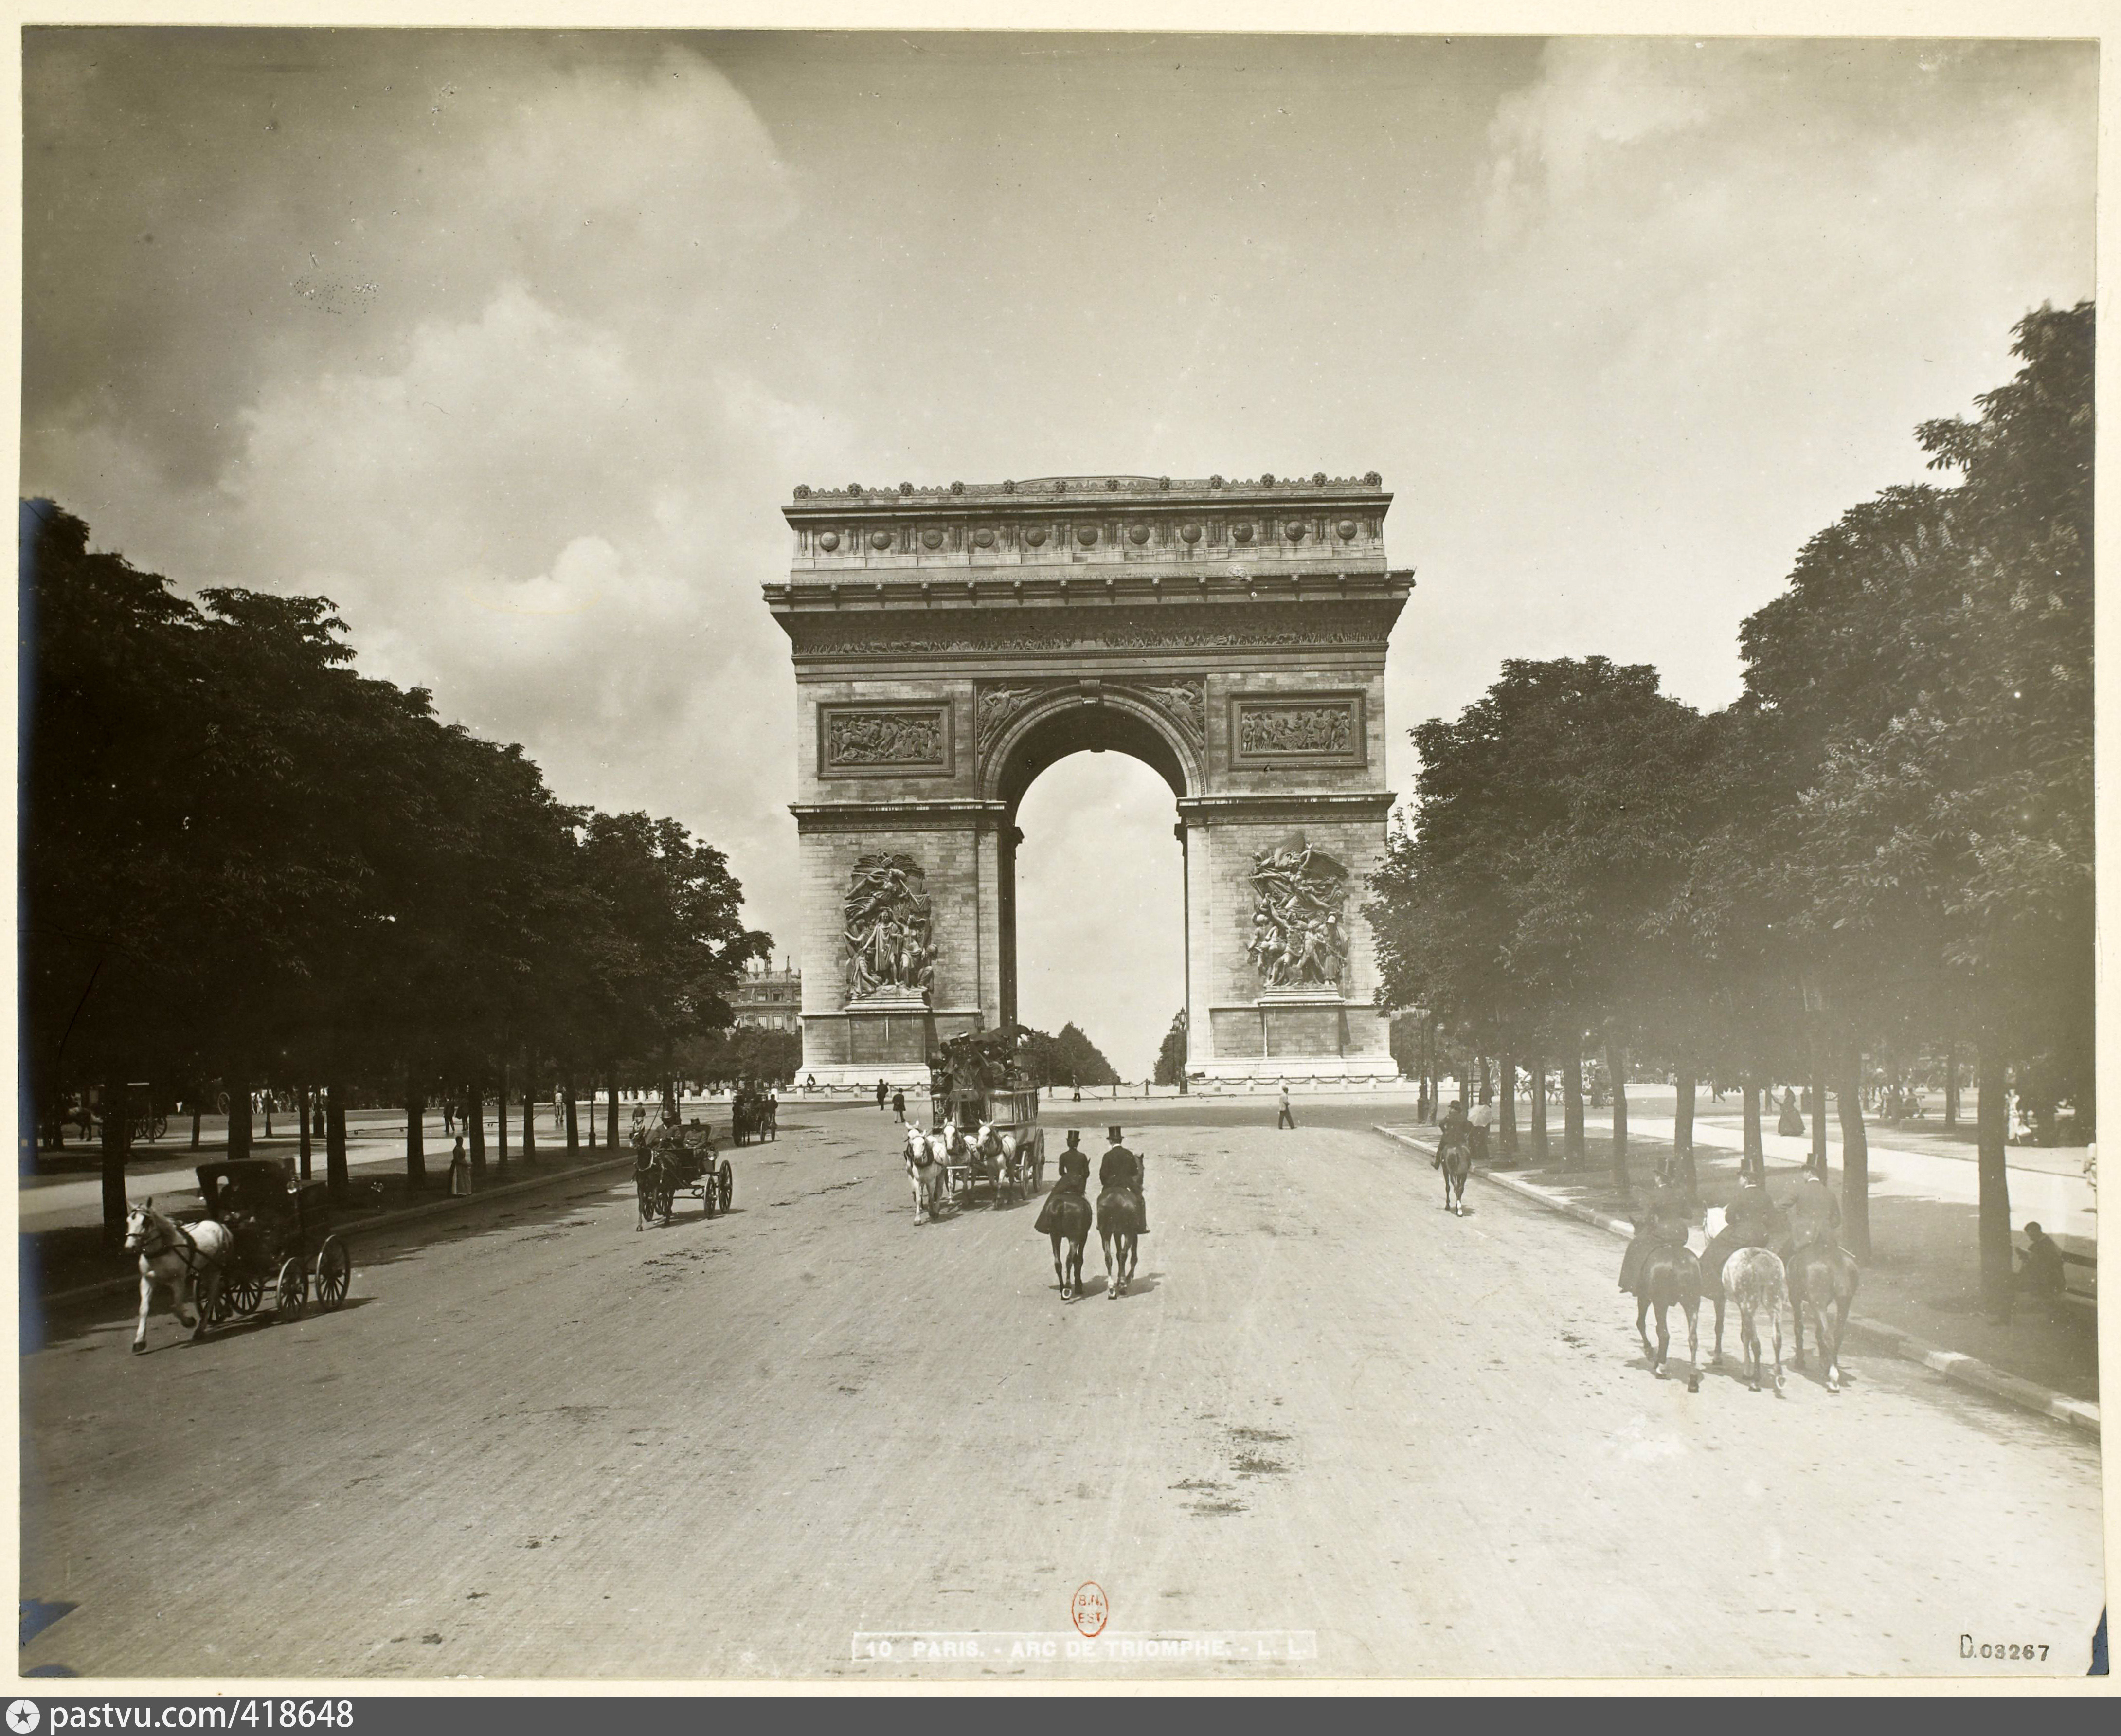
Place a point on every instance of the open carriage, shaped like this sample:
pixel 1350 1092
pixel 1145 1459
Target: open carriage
pixel 975 1081
pixel 275 1224
pixel 753 1114
pixel 681 1160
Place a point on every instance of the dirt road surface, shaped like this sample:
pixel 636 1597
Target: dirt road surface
pixel 541 1443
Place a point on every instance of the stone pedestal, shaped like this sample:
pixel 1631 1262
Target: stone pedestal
pixel 951 644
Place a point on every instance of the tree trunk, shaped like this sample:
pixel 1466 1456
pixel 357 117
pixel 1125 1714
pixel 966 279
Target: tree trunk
pixel 1950 1087
pixel 500 1121
pixel 1506 1121
pixel 1752 1161
pixel 1995 1210
pixel 335 1172
pixel 529 1113
pixel 1855 1156
pixel 1481 1086
pixel 302 1142
pixel 474 1115
pixel 611 1093
pixel 1682 1130
pixel 574 1132
pixel 117 1147
pixel 1616 1064
pixel 415 1134
pixel 1571 1108
pixel 195 1125
pixel 1817 1160
pixel 239 1118
pixel 1538 1069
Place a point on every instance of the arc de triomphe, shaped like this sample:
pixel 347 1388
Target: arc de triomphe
pixel 951 643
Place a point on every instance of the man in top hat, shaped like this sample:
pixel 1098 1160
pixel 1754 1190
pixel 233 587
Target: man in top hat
pixel 1122 1168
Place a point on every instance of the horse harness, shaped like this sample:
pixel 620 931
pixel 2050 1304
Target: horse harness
pixel 186 1249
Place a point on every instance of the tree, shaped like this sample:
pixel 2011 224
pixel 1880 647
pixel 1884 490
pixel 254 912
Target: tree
pixel 1170 1053
pixel 1552 818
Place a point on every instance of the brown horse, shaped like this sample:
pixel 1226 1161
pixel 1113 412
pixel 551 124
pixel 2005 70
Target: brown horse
pixel 1670 1276
pixel 1822 1277
pixel 1454 1157
pixel 1068 1217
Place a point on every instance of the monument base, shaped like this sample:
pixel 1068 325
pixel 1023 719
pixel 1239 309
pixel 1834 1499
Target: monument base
pixel 1366 1070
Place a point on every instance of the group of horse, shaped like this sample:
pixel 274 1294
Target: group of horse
pixel 1762 1270
pixel 929 1156
pixel 1069 1218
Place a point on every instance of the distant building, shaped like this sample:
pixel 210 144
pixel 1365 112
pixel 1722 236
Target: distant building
pixel 768 1000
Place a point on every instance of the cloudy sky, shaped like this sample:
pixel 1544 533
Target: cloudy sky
pixel 514 345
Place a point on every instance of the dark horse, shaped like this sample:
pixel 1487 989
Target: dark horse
pixel 1454 1157
pixel 1066 1216
pixel 1822 1277
pixel 1670 1276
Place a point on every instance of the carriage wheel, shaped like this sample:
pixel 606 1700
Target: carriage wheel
pixel 707 1190
pixel 727 1184
pixel 294 1293
pixel 334 1274
pixel 241 1295
pixel 644 1188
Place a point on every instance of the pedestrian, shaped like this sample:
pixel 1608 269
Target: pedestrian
pixel 1789 1123
pixel 1482 1118
pixel 460 1170
pixel 1287 1119
pixel 448 1117
pixel 2040 1266
pixel 898 1106
pixel 882 1093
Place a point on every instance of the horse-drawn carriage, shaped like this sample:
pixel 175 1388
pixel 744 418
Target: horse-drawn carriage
pixel 754 1113
pixel 984 1117
pixel 673 1161
pixel 275 1224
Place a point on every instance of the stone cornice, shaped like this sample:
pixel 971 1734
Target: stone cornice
pixel 1288 804
pixel 860 816
pixel 1126 610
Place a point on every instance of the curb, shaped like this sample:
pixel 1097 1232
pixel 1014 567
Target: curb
pixel 384 1220
pixel 1952 1364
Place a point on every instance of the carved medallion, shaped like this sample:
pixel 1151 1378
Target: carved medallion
pixel 1299 938
pixel 890 948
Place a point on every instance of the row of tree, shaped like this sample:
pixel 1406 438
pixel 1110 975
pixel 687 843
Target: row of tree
pixel 1884 843
pixel 243 864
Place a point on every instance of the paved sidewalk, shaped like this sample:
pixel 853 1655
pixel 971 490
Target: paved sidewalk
pixel 1923 1275
pixel 2062 1203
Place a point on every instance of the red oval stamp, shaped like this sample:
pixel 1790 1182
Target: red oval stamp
pixel 1088 1609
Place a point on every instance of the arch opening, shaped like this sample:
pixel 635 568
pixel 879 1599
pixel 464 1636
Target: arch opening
pixel 1053 734
pixel 1100 883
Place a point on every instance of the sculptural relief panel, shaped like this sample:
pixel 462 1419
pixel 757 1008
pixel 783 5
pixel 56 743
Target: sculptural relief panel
pixel 1297 729
pixel 896 740
pixel 1299 936
pixel 889 931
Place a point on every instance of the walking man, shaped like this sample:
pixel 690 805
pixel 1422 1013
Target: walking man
pixel 882 1093
pixel 898 1106
pixel 1288 1120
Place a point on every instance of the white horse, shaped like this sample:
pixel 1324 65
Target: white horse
pixel 999 1150
pixel 924 1167
pixel 188 1261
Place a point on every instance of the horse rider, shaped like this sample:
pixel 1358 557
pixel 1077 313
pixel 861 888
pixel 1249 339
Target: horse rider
pixel 1122 1168
pixel 1815 1216
pixel 1666 1215
pixel 1074 1178
pixel 1456 1128
pixel 1749 1220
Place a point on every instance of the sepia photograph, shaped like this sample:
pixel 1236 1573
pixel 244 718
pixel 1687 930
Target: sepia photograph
pixel 774 785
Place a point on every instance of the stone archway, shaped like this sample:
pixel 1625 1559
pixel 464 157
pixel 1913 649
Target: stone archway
pixel 950 644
